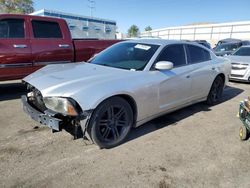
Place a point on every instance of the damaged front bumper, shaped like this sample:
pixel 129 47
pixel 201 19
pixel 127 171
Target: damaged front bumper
pixel 74 125
pixel 42 118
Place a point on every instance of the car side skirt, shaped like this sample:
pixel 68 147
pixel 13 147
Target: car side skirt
pixel 141 122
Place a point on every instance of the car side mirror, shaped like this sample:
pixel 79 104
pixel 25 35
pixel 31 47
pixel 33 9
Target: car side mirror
pixel 164 65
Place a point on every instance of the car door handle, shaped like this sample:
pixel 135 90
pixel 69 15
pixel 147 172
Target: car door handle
pixel 213 68
pixel 188 76
pixel 63 45
pixel 20 46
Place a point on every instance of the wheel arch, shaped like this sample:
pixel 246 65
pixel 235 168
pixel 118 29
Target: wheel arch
pixel 222 76
pixel 129 99
pixel 218 75
pixel 211 99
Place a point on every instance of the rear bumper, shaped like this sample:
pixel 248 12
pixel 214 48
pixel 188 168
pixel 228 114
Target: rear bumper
pixel 40 117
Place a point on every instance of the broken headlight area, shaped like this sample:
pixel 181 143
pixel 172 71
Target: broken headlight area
pixel 56 113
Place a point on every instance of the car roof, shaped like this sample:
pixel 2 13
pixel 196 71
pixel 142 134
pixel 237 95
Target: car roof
pixel 229 43
pixel 230 40
pixel 200 41
pixel 26 16
pixel 160 41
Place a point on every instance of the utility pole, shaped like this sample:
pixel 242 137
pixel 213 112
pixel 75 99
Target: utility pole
pixel 91 6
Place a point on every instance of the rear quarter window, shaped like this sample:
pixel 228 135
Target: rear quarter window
pixel 45 29
pixel 197 54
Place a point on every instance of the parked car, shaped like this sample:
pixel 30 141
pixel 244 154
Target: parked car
pixel 229 48
pixel 29 42
pixel 240 61
pixel 125 86
pixel 204 43
pixel 228 40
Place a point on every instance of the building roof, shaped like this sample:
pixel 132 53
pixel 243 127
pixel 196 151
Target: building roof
pixel 65 15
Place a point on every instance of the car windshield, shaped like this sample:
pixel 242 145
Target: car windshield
pixel 244 51
pixel 128 55
pixel 227 47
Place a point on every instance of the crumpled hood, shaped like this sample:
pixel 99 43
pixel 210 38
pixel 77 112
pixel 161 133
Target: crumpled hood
pixel 66 79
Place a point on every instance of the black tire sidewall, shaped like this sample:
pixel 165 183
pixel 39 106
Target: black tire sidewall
pixel 93 126
pixel 210 100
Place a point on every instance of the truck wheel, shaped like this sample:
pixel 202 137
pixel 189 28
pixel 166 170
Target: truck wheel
pixel 111 122
pixel 216 91
pixel 243 133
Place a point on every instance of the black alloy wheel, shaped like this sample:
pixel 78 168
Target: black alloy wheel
pixel 111 122
pixel 216 91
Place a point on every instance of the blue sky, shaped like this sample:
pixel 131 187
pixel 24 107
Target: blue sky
pixel 156 13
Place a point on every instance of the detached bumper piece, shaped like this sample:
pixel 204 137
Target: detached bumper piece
pixel 40 117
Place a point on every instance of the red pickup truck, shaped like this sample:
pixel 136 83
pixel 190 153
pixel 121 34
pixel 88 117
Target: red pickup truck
pixel 29 42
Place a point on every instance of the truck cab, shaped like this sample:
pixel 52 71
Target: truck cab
pixel 29 42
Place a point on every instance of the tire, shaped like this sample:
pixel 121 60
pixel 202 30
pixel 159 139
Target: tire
pixel 243 133
pixel 111 122
pixel 216 91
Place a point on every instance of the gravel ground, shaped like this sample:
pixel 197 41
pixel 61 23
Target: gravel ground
pixel 197 146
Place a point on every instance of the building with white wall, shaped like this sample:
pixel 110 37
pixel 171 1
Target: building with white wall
pixel 210 32
pixel 84 26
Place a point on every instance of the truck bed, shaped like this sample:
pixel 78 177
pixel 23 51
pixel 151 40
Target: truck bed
pixel 86 48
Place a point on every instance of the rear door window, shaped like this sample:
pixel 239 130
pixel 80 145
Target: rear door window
pixel 175 54
pixel 45 29
pixel 12 28
pixel 197 54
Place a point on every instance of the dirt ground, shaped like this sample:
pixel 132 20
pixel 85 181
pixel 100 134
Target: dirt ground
pixel 197 146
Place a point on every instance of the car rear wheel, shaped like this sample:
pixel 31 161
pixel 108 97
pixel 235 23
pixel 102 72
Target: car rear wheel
pixel 111 122
pixel 216 91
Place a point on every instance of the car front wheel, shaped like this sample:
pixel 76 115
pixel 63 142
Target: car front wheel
pixel 111 122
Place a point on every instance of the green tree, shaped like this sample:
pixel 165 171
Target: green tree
pixel 133 31
pixel 16 6
pixel 148 28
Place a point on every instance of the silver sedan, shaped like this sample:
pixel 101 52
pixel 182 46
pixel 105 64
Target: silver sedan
pixel 240 61
pixel 124 86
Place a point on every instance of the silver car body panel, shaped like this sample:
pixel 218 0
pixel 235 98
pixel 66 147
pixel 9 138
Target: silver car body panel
pixel 154 92
pixel 240 68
